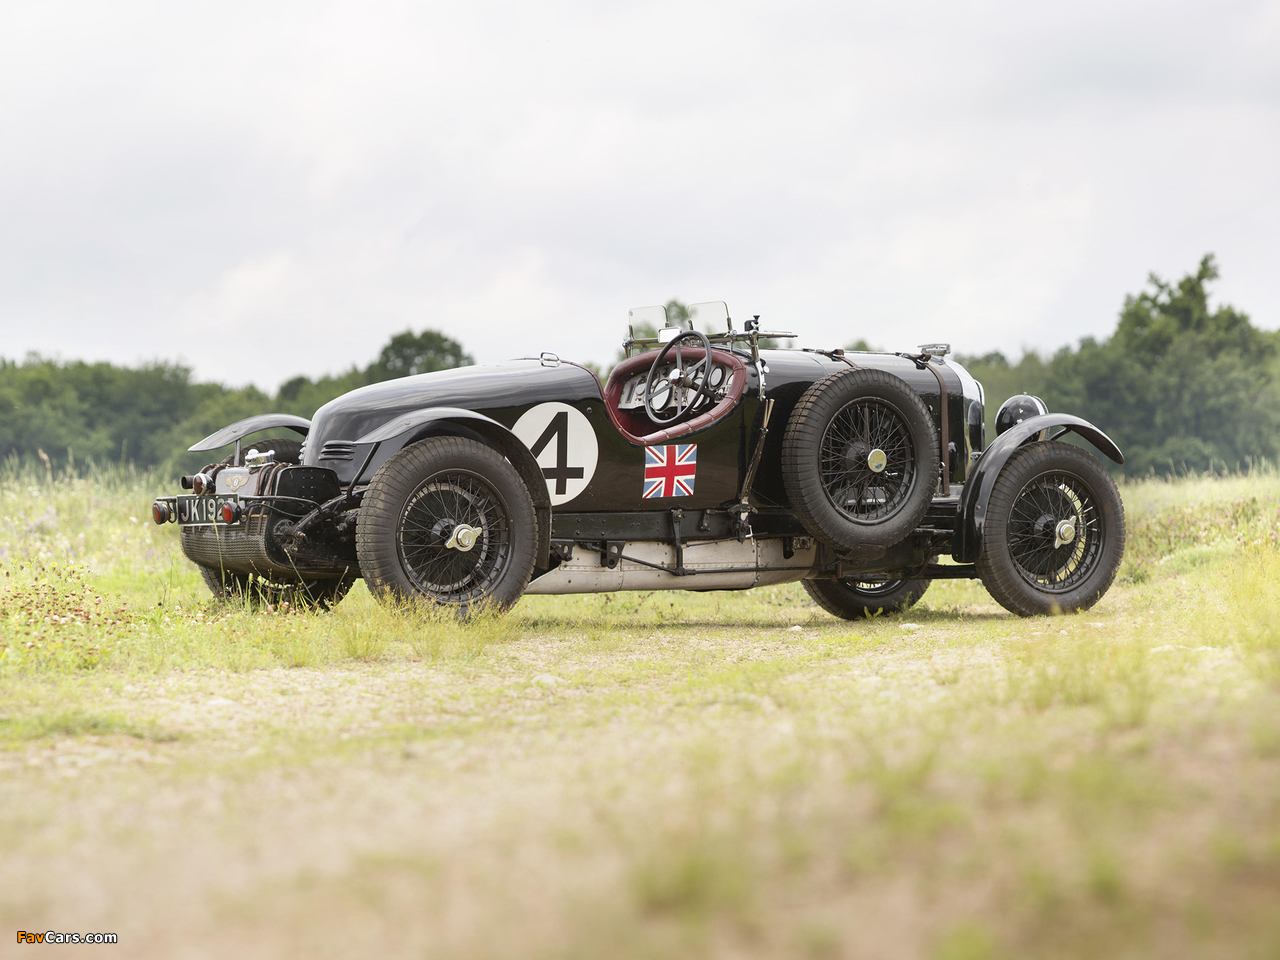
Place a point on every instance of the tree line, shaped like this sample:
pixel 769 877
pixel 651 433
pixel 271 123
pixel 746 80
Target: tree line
pixel 1180 385
pixel 74 413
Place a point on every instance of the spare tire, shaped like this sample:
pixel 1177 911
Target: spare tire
pixel 860 459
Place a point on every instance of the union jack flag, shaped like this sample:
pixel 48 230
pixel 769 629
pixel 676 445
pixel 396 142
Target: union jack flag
pixel 669 471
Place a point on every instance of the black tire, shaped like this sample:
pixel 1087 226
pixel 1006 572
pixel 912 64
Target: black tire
pixel 307 594
pixel 834 431
pixel 1026 563
pixel 421 500
pixel 854 600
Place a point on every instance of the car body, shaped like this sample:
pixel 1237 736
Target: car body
pixel 702 462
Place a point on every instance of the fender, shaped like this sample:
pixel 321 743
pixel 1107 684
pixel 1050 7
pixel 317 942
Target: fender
pixel 379 444
pixel 972 508
pixel 242 428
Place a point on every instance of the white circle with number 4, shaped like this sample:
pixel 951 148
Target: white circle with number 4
pixel 561 439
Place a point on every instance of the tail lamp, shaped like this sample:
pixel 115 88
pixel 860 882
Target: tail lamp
pixel 231 512
pixel 161 512
pixel 202 483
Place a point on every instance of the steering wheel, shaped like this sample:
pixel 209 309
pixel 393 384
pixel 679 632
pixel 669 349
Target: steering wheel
pixel 689 385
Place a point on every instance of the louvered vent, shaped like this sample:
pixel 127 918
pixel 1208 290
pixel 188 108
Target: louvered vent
pixel 338 450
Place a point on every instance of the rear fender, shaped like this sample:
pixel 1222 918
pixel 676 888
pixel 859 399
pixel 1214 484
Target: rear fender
pixel 242 428
pixel 972 509
pixel 381 443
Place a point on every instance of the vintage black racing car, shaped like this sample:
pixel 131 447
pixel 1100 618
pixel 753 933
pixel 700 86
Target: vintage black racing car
pixel 703 462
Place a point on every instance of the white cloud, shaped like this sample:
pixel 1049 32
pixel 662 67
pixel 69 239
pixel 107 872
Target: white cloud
pixel 267 191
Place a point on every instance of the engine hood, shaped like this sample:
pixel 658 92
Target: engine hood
pixel 498 390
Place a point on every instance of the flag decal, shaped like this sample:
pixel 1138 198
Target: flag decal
pixel 669 470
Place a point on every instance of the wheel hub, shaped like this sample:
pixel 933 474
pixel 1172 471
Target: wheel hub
pixel 1064 533
pixel 464 537
pixel 857 456
pixel 877 460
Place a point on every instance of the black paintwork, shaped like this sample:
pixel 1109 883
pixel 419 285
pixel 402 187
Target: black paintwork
pixel 355 434
pixel 242 428
pixel 501 393
pixel 967 544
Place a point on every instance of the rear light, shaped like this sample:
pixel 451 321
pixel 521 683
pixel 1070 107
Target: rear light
pixel 161 512
pixel 202 483
pixel 230 512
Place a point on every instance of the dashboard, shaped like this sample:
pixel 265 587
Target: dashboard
pixel 632 397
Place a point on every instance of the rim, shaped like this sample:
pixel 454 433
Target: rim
pixel 858 492
pixel 1040 506
pixel 432 513
pixel 878 588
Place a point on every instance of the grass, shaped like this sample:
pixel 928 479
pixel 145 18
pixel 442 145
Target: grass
pixel 641 775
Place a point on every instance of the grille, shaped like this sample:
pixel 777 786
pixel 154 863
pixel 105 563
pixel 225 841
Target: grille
pixel 246 548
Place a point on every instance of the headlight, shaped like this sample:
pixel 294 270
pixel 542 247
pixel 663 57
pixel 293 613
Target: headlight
pixel 1016 409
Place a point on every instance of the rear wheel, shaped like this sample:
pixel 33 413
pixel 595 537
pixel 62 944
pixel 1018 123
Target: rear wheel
pixel 447 520
pixel 1054 532
pixel 854 600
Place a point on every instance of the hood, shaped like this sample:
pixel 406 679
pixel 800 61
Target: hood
pixel 499 390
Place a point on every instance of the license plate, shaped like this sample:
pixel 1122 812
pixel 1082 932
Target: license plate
pixel 201 510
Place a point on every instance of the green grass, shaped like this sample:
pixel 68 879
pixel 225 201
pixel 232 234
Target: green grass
pixel 646 774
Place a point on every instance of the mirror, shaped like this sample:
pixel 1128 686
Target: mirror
pixel 667 334
pixel 710 317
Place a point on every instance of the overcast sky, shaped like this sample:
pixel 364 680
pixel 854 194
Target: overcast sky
pixel 266 190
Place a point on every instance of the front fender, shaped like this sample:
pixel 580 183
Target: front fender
pixel 242 428
pixel 972 508
pixel 378 445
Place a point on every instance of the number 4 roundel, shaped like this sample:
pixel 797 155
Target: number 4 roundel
pixel 561 440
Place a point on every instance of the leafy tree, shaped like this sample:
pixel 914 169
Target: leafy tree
pixel 1180 385
pixel 409 353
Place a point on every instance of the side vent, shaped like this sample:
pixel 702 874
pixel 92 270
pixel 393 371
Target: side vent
pixel 338 450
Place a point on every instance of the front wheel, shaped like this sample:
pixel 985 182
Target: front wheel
pixel 447 520
pixel 1054 532
pixel 308 594
pixel 855 599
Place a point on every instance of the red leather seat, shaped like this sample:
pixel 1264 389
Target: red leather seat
pixel 636 426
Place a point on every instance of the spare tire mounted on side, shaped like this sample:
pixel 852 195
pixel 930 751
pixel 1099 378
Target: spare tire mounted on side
pixel 860 459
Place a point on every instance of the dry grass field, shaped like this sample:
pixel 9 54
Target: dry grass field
pixel 640 775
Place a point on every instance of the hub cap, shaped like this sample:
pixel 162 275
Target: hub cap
pixel 464 537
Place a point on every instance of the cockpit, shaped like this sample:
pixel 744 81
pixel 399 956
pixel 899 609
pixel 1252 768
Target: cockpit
pixel 678 378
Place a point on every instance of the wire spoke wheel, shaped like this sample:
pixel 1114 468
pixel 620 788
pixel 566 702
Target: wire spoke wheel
pixel 447 520
pixel 868 460
pixel 443 504
pixel 860 459
pixel 1054 533
pixel 310 594
pixel 857 599
pixel 1036 532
